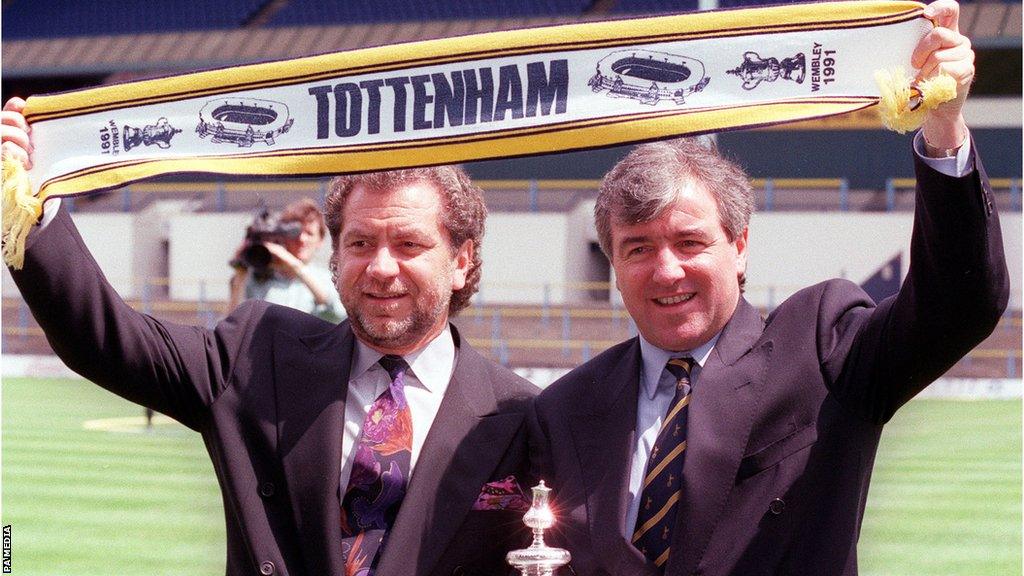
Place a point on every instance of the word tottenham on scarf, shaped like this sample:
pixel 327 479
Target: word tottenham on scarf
pixel 464 97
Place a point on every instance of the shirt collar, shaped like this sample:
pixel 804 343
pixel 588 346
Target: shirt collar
pixel 654 360
pixel 432 365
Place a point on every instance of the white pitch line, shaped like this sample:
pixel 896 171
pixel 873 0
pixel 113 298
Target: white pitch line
pixel 131 424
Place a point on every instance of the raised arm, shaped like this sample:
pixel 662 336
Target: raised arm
pixel 957 284
pixel 178 370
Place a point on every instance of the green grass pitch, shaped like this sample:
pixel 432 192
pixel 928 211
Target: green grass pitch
pixel 945 498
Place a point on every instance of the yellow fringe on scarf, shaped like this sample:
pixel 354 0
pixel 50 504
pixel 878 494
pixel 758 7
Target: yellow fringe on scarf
pixel 904 105
pixel 21 210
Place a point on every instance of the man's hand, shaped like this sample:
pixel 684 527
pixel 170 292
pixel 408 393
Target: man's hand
pixel 945 50
pixel 14 133
pixel 282 259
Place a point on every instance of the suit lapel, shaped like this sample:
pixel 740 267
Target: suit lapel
pixel 464 445
pixel 720 419
pixel 604 431
pixel 311 383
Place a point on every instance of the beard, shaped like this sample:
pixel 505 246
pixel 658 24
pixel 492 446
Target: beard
pixel 429 308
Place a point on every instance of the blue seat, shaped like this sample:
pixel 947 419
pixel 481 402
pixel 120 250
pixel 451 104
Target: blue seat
pixel 61 18
pixel 312 12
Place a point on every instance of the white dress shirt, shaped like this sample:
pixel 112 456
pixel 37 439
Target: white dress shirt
pixel 430 370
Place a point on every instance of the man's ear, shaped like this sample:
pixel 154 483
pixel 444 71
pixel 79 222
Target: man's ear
pixel 741 252
pixel 462 261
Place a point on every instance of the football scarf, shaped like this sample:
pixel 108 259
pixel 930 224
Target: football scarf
pixel 484 96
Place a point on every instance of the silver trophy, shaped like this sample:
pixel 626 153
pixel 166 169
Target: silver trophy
pixel 538 559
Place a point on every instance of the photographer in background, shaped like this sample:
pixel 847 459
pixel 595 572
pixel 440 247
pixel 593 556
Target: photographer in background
pixel 273 263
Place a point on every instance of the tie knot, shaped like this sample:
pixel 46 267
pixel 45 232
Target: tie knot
pixel 679 368
pixel 395 365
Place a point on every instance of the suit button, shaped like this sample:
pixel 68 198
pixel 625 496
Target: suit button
pixel 777 506
pixel 267 568
pixel 267 489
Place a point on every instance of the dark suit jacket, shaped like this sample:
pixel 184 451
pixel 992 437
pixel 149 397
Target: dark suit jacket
pixel 267 389
pixel 785 417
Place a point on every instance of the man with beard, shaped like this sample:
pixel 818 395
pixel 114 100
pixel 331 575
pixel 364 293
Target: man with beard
pixel 385 445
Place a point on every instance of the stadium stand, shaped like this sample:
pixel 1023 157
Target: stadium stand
pixel 651 6
pixel 59 37
pixel 298 12
pixel 669 6
pixel 988 19
pixel 62 18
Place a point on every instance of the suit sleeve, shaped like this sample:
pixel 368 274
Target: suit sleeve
pixel 957 287
pixel 177 370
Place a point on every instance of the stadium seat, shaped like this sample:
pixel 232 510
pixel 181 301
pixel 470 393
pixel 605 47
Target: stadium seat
pixel 49 18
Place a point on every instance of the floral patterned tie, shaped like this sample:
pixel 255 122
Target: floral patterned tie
pixel 380 474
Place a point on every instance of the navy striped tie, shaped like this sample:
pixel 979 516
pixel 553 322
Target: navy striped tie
pixel 662 485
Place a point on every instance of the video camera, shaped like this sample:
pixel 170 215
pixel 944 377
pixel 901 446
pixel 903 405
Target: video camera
pixel 265 227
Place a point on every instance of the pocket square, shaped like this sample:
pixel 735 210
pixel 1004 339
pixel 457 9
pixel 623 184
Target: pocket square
pixel 502 495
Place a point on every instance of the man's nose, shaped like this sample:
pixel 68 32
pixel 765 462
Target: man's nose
pixel 668 268
pixel 383 264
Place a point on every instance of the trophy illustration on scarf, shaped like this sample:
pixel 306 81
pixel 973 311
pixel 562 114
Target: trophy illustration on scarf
pixel 159 134
pixel 755 69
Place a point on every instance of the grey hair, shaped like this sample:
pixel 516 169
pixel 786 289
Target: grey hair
pixel 463 215
pixel 647 182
